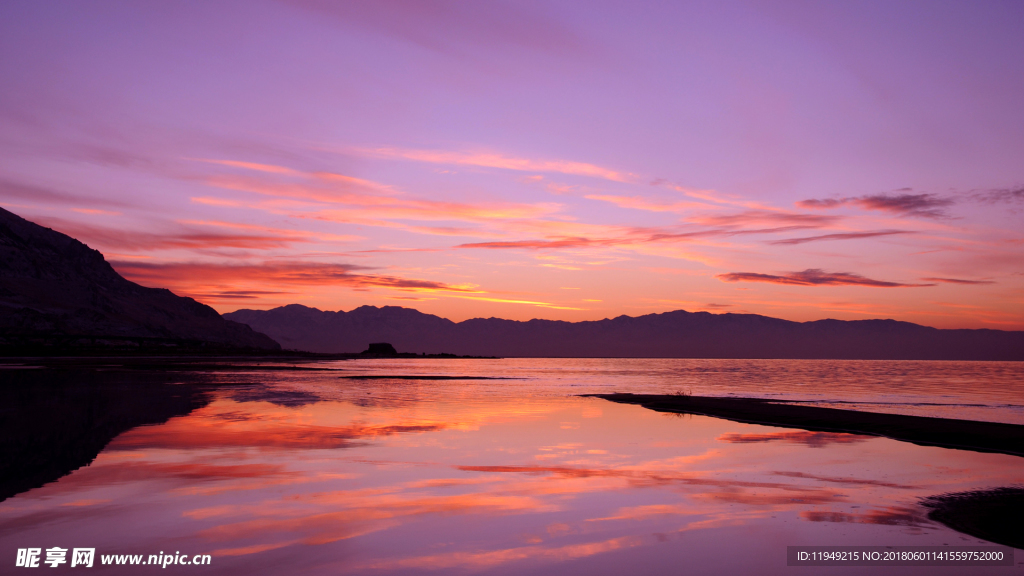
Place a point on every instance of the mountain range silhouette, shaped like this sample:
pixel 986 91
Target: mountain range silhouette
pixel 57 293
pixel 677 334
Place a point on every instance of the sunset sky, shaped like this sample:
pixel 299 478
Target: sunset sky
pixel 561 160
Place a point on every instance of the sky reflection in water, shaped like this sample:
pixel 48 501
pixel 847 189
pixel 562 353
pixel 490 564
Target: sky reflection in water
pixel 314 474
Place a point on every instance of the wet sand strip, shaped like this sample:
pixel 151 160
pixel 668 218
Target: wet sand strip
pixel 926 431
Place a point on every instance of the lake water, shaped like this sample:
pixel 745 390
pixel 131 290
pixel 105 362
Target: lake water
pixel 315 472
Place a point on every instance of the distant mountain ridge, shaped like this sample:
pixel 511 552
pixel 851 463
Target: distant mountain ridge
pixel 57 292
pixel 677 334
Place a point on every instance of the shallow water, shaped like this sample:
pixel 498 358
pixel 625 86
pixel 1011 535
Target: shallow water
pixel 321 473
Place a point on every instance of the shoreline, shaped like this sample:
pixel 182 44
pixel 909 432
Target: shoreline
pixel 972 435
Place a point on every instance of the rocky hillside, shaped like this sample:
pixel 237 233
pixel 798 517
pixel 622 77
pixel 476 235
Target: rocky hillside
pixel 56 292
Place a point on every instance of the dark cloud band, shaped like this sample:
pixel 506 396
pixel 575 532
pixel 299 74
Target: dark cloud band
pixel 813 277
pixel 918 205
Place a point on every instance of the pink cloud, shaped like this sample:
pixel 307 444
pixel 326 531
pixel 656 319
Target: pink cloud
pixel 763 217
pixel 842 236
pixel 495 160
pixel 368 200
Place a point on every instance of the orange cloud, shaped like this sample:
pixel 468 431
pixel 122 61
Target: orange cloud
pixel 95 212
pixel 368 202
pixel 217 202
pixel 507 301
pixel 193 278
pixel 229 282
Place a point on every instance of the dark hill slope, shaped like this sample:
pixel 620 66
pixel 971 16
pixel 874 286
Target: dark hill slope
pixel 55 290
pixel 678 334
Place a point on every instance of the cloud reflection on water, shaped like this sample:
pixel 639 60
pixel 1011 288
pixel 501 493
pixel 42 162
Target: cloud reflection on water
pixel 806 437
pixel 480 484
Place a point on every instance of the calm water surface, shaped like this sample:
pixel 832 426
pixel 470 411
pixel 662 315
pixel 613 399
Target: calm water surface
pixel 318 473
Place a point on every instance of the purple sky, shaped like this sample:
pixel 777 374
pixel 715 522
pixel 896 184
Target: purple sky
pixel 570 160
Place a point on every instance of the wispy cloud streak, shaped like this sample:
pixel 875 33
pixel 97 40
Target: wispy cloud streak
pixel 958 281
pixel 277 274
pixel 341 197
pixel 842 236
pixel 11 190
pixel 767 217
pixel 917 205
pixel 634 237
pixel 813 277
pixel 456 28
pixel 191 235
pixel 640 203
pixel 1001 195
pixel 495 160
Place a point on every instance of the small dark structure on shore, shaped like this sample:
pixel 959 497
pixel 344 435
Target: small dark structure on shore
pixel 381 349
